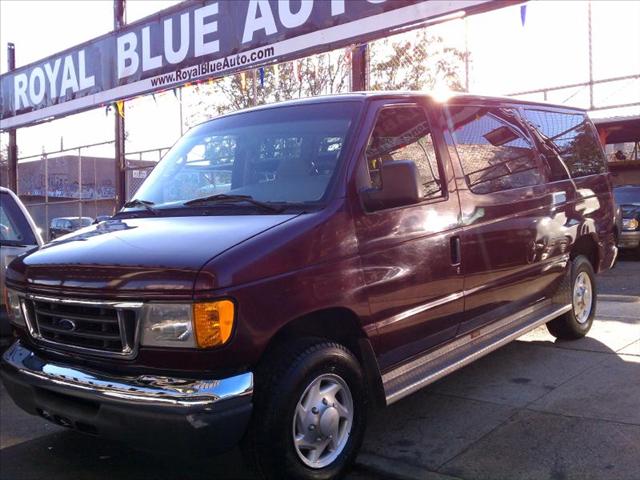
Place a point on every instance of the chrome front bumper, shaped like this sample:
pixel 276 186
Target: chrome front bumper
pixel 629 239
pixel 140 409
pixel 141 390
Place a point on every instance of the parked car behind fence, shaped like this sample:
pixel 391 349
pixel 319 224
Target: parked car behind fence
pixel 63 225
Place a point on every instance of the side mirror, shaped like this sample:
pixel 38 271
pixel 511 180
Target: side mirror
pixel 400 186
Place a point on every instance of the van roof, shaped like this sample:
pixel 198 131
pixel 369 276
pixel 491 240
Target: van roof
pixel 451 96
pixel 454 97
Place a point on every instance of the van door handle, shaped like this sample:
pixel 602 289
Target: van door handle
pixel 456 255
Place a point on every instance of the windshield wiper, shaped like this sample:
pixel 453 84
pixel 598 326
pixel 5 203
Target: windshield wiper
pixel 146 204
pixel 224 198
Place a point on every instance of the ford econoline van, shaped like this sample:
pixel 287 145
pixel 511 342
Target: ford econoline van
pixel 285 268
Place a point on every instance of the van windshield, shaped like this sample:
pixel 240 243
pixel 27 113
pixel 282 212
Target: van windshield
pixel 278 155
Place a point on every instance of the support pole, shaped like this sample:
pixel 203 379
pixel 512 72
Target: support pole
pixel 360 68
pixel 12 154
pixel 466 54
pixel 181 113
pixel 120 172
pixel 591 105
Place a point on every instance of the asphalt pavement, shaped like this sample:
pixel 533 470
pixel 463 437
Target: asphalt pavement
pixel 537 408
pixel 624 278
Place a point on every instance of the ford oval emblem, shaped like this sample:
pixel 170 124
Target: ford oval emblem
pixel 66 324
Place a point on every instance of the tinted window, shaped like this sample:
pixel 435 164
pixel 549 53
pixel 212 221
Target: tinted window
pixel 14 227
pixel 569 142
pixel 402 133
pixel 494 152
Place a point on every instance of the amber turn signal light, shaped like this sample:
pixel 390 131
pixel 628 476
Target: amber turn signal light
pixel 213 322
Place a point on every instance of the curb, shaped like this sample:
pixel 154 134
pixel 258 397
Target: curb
pixel 394 469
pixel 610 297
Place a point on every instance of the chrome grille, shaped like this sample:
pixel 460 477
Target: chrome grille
pixel 102 328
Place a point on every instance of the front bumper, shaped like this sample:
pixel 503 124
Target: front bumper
pixel 629 240
pixel 149 412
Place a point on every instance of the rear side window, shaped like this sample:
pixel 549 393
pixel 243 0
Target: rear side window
pixel 569 142
pixel 494 152
pixel 402 133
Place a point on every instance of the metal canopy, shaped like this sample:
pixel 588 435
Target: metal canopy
pixel 619 129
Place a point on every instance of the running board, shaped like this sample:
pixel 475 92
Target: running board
pixel 420 372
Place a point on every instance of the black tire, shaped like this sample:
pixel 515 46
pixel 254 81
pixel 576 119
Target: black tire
pixel 280 383
pixel 568 326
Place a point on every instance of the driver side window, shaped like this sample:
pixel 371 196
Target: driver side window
pixel 402 133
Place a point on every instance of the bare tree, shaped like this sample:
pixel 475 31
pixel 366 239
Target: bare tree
pixel 415 61
pixel 316 75
pixel 411 61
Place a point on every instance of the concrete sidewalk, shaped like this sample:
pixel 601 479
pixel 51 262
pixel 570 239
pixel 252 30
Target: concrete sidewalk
pixel 535 409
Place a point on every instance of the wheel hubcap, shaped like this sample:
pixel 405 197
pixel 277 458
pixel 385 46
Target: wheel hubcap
pixel 322 421
pixel 582 297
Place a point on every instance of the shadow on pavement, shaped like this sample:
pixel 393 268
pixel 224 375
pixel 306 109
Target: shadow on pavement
pixel 71 455
pixel 530 410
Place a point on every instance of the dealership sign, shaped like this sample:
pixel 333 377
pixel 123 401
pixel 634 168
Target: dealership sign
pixel 203 39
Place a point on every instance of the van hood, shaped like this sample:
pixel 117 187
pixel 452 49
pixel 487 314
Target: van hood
pixel 147 255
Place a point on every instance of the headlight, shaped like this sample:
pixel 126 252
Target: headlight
pixel 198 325
pixel 630 224
pixel 167 325
pixel 14 308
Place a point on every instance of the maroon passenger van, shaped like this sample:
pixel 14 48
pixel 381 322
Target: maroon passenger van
pixel 286 267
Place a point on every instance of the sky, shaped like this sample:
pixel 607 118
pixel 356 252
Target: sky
pixel 551 49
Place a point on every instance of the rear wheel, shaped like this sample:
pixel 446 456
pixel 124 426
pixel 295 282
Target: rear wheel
pixel 309 412
pixel 577 322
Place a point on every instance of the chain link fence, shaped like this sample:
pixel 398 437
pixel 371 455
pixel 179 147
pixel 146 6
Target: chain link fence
pixel 322 74
pixel 417 60
pixel 78 182
pixel 138 167
pixel 68 183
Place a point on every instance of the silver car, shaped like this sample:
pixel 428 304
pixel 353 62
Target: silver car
pixel 628 200
pixel 18 234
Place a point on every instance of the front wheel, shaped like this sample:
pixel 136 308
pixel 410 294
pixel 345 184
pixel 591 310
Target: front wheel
pixel 577 322
pixel 309 414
